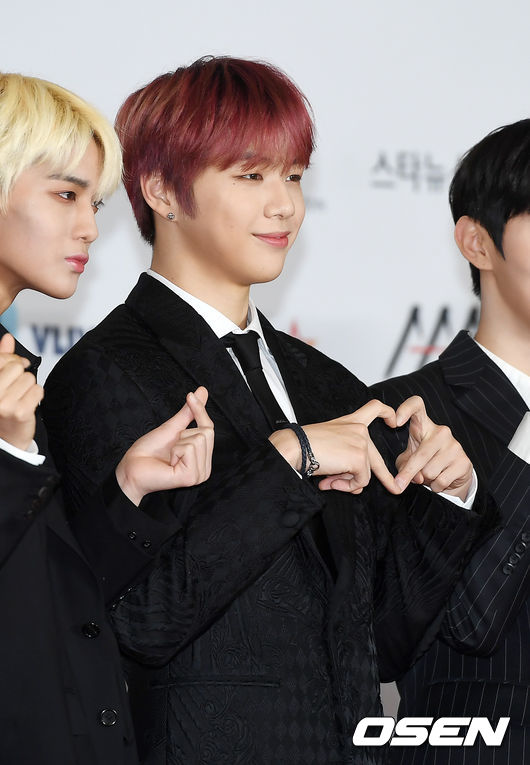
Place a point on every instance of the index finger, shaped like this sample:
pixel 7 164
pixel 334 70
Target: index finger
pixel 12 358
pixel 413 406
pixel 369 412
pixel 197 406
pixel 416 462
pixel 380 470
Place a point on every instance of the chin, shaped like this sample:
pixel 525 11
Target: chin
pixel 58 292
pixel 268 275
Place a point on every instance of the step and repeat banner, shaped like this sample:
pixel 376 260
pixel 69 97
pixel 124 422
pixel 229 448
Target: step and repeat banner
pixel 399 92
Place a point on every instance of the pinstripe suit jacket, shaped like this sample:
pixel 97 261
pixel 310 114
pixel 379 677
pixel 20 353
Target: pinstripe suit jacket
pixel 480 665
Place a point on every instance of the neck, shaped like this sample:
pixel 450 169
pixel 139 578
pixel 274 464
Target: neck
pixel 229 299
pixel 5 298
pixel 511 343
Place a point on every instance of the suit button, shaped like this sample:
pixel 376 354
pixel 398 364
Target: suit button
pixel 43 493
pixel 108 717
pixel 146 544
pixel 290 518
pixel 514 558
pixel 525 536
pixel 35 504
pixel 507 568
pixel 520 547
pixel 91 629
pixel 51 481
pixel 132 535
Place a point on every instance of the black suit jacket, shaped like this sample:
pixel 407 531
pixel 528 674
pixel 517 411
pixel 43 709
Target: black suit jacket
pixel 62 693
pixel 481 663
pixel 241 648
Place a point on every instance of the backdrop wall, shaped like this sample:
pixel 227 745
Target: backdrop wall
pixel 399 89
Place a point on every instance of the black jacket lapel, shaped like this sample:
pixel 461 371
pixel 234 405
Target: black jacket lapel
pixel 21 351
pixel 481 389
pixel 292 363
pixel 199 352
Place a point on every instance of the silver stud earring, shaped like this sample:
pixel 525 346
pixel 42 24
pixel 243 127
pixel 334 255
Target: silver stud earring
pixel 170 216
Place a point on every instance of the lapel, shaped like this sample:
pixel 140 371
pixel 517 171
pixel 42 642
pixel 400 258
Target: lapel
pixel 21 351
pixel 312 404
pixel 197 350
pixel 292 363
pixel 481 389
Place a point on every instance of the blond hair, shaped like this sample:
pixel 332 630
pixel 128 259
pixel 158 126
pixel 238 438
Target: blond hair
pixel 42 122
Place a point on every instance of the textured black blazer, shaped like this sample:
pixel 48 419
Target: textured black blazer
pixel 241 647
pixel 62 693
pixel 480 665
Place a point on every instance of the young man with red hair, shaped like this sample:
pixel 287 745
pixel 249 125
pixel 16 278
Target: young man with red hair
pixel 253 641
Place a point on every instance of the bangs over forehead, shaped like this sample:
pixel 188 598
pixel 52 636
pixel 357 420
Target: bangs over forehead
pixel 216 112
pixel 42 122
pixel 262 120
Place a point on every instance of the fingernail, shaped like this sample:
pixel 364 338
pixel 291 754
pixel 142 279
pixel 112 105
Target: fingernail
pixel 400 483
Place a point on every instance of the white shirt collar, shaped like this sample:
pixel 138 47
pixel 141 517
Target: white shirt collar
pixel 219 323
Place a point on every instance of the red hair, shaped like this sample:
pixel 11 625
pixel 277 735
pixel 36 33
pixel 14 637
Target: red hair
pixel 215 112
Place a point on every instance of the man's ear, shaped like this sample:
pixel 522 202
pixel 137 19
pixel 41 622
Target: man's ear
pixel 474 242
pixel 156 195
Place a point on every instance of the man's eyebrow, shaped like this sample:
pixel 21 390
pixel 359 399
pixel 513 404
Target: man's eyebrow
pixel 70 179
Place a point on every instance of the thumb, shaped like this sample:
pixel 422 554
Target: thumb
pixel 167 432
pixel 202 394
pixel 401 465
pixel 7 343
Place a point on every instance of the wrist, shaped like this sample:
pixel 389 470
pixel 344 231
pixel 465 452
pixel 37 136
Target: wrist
pixel 19 442
pixel 461 492
pixel 127 485
pixel 286 442
pixel 310 463
pixel 306 464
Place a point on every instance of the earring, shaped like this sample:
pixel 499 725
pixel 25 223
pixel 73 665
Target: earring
pixel 170 216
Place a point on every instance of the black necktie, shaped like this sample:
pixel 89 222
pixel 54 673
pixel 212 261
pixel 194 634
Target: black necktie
pixel 245 347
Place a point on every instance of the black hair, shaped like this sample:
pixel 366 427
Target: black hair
pixel 492 183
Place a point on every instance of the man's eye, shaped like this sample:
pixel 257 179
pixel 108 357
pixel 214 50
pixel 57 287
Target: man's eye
pixel 68 195
pixel 252 176
pixel 294 178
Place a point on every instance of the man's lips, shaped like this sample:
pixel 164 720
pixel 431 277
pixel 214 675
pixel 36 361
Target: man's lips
pixel 277 239
pixel 78 262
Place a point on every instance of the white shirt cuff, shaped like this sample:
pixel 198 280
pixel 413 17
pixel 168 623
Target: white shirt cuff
pixel 31 455
pixel 472 493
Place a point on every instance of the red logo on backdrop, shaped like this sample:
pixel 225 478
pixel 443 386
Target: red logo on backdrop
pixel 294 331
pixel 423 343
